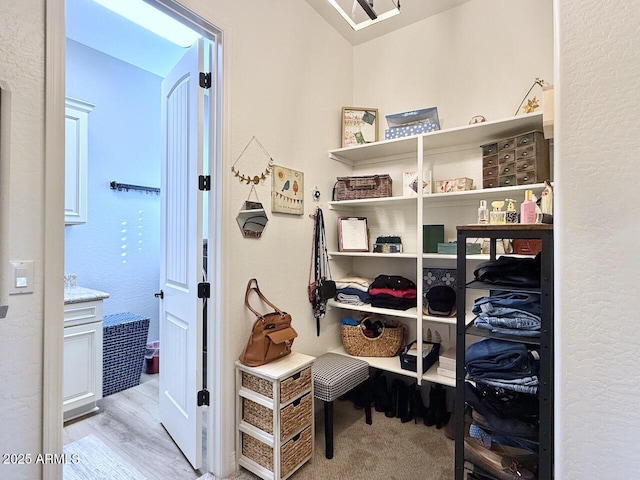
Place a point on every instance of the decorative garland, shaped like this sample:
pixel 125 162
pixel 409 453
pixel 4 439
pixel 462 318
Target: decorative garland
pixel 255 179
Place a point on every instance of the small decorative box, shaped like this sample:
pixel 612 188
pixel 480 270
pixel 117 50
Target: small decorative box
pixel 427 116
pixel 454 185
pixel 407 130
pixel 387 248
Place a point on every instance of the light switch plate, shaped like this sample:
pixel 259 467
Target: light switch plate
pixel 21 277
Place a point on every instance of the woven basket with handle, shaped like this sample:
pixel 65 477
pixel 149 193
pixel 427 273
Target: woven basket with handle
pixel 388 344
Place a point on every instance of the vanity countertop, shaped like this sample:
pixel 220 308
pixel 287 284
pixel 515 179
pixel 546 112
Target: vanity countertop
pixel 81 294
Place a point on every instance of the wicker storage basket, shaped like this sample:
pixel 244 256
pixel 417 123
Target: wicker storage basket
pixel 293 417
pixel 292 453
pixel 368 186
pixel 289 387
pixel 392 339
pixel 294 385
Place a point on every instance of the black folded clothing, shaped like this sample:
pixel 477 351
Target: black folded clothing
pixel 389 301
pixel 394 282
pixel 523 272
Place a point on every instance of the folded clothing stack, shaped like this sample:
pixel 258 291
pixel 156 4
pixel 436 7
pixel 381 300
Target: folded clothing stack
pixel 515 313
pixel 353 290
pixel 393 291
pixel 500 363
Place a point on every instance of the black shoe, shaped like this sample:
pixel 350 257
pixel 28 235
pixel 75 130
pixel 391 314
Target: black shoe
pixel 430 413
pixel 441 415
pixel 419 410
pixel 407 405
pixel 381 396
pixel 392 411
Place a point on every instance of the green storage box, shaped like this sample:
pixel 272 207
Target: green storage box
pixel 451 248
pixel 431 236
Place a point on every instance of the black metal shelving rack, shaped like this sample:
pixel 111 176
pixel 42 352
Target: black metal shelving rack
pixel 543 232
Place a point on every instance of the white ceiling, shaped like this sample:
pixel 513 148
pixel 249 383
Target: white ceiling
pixel 411 11
pixel 99 28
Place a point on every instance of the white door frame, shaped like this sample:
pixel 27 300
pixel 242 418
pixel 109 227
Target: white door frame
pixel 53 304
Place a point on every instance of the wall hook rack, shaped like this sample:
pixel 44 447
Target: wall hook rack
pixel 127 187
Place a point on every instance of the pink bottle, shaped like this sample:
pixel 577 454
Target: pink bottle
pixel 528 208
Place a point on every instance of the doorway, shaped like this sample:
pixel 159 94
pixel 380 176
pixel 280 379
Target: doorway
pixel 118 249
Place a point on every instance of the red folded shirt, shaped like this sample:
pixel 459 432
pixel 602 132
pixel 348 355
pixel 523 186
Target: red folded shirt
pixel 408 293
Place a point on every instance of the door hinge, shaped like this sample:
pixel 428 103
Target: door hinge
pixel 204 182
pixel 203 397
pixel 204 290
pixel 205 80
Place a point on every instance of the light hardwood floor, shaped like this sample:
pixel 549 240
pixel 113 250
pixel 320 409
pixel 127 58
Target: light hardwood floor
pixel 128 423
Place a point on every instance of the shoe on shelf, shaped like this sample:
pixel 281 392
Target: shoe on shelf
pixel 499 465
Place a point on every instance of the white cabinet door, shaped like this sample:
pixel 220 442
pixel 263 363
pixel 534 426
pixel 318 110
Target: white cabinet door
pixel 76 139
pixel 82 368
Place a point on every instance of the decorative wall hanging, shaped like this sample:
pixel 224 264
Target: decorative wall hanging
pixel 287 191
pixel 248 178
pixel 359 126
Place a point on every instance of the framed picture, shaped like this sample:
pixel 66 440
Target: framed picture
pixel 353 234
pixel 287 191
pixel 359 126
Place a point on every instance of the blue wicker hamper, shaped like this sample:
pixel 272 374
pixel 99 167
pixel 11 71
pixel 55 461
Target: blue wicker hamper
pixel 123 349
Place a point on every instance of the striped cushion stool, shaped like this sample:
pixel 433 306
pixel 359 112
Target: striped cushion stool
pixel 333 376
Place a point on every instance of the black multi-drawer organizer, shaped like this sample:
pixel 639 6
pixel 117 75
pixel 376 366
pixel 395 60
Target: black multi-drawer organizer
pixel 544 343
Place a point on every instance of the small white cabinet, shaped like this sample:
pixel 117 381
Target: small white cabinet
pixel 82 366
pixel 76 139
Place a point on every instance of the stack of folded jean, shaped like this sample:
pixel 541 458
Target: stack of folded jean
pixel 509 365
pixel 514 313
pixel 353 290
pixel 393 291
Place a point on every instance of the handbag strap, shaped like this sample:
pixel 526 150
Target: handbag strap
pixel 256 288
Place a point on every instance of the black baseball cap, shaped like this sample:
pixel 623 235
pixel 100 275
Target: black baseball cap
pixel 441 301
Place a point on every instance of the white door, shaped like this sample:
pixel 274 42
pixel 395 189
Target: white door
pixel 181 249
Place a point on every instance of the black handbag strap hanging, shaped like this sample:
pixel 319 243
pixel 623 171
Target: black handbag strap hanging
pixel 321 269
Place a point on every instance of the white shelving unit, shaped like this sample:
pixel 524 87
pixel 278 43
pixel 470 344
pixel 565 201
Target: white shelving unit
pixel 446 154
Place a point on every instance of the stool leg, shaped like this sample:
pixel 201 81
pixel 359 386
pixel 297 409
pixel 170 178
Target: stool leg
pixel 328 429
pixel 367 403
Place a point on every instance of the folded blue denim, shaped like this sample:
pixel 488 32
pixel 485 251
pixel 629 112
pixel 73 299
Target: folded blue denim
pixel 511 326
pixel 493 358
pixel 487 438
pixel 514 313
pixel 522 385
pixel 528 302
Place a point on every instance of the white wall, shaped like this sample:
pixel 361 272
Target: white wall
pixel 598 132
pixel 479 58
pixel 288 75
pixel 21 228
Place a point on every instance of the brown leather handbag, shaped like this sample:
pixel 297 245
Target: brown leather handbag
pixel 272 334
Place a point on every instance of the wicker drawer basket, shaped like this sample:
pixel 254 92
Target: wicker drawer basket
pixel 292 417
pixel 292 453
pixel 289 388
pixel 369 186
